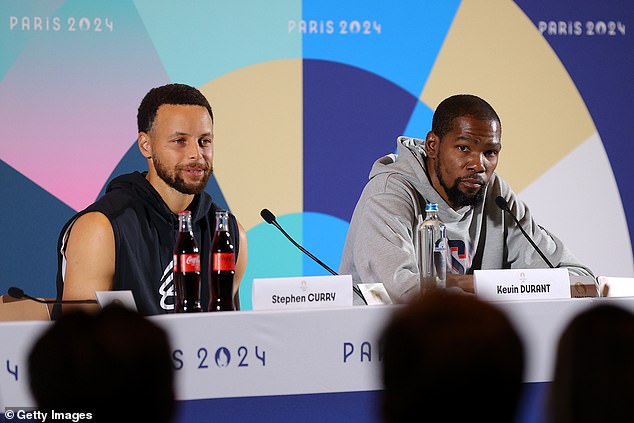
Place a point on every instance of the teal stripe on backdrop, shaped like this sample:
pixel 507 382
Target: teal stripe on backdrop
pixel 15 14
pixel 219 37
pixel 271 255
pixel 324 237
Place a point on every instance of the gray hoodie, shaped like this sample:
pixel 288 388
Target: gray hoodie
pixel 381 242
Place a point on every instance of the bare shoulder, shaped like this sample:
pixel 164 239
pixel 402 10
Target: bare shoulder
pixel 91 237
pixel 93 225
pixel 90 255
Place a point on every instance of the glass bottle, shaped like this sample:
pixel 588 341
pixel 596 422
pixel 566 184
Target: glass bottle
pixel 186 269
pixel 222 266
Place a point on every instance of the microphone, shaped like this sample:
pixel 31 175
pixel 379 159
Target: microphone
pixel 19 294
pixel 501 203
pixel 270 218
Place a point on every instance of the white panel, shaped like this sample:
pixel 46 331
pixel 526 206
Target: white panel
pixel 261 353
pixel 578 200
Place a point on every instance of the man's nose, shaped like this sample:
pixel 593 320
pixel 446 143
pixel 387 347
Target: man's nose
pixel 476 163
pixel 194 150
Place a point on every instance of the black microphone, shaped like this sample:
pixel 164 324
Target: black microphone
pixel 19 294
pixel 270 218
pixel 501 203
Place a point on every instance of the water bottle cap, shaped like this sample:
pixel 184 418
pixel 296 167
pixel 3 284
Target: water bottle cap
pixel 431 207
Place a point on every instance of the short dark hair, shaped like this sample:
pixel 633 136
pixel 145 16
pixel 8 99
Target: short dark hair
pixel 104 363
pixel 461 105
pixel 178 94
pixel 443 344
pixel 594 361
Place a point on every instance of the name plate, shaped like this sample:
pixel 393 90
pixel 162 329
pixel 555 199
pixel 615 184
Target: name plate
pixel 521 284
pixel 301 292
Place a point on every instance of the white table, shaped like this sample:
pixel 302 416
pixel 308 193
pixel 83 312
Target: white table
pixel 285 353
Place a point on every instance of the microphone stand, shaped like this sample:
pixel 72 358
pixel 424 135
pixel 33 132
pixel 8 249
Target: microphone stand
pixel 501 203
pixel 270 218
pixel 17 293
pixel 277 225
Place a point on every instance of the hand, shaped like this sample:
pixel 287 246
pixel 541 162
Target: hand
pixel 464 282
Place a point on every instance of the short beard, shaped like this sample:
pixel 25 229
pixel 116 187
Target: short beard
pixel 174 180
pixel 457 198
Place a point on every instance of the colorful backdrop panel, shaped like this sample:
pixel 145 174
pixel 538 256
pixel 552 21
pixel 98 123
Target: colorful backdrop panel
pixel 307 94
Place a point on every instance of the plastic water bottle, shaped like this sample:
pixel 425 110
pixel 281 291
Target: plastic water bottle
pixel 432 249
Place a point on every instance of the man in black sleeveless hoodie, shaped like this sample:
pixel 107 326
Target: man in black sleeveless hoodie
pixel 125 240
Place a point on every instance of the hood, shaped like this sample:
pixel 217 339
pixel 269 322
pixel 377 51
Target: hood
pixel 136 185
pixel 408 162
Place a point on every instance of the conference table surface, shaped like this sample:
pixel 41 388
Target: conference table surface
pixel 319 357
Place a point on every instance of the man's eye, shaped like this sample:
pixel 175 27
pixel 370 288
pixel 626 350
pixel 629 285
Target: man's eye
pixel 462 148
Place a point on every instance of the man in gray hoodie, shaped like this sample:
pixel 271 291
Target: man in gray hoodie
pixel 455 167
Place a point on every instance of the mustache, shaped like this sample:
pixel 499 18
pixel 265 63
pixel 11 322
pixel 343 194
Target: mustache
pixel 471 178
pixel 203 165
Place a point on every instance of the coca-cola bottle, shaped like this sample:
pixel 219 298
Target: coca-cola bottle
pixel 186 267
pixel 222 266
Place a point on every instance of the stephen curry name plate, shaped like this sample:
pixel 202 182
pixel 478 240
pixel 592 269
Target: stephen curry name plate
pixel 302 292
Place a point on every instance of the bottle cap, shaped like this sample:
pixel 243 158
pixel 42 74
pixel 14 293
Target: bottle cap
pixel 431 207
pixel 184 212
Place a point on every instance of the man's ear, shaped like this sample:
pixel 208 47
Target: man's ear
pixel 145 147
pixel 432 144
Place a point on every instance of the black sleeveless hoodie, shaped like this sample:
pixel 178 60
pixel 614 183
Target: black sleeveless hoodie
pixel 145 232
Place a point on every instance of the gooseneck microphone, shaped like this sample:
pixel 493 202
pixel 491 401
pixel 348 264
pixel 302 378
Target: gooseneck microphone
pixel 270 218
pixel 19 294
pixel 501 203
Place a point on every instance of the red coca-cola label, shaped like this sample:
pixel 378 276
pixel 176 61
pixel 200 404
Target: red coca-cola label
pixel 187 263
pixel 223 262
